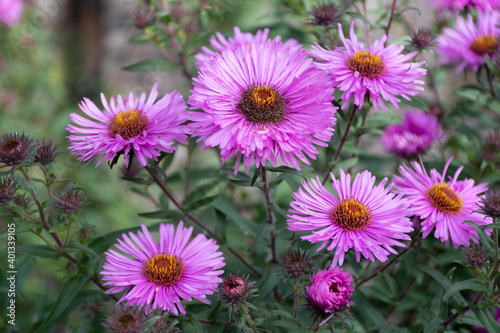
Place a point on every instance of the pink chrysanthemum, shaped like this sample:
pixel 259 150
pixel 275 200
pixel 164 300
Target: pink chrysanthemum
pixel 380 70
pixel 263 100
pixel 414 135
pixel 469 44
pixel 330 290
pixel 458 5
pixel 219 43
pixel 158 275
pixel 11 11
pixel 367 218
pixel 134 124
pixel 441 204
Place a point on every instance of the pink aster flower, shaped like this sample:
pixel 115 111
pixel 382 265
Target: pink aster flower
pixel 219 43
pixel 260 101
pixel 158 275
pixel 380 70
pixel 365 217
pixel 330 290
pixel 134 125
pixel 11 11
pixel 442 204
pixel 469 44
pixel 417 132
pixel 458 5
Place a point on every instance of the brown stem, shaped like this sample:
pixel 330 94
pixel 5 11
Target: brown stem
pixel 198 223
pixel 389 24
pixel 269 211
pixel 342 141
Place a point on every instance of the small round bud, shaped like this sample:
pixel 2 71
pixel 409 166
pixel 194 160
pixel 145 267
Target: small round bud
pixel 126 320
pixel 70 200
pixel 235 290
pixel 295 263
pixel 15 148
pixel 142 19
pixel 7 189
pixel 85 231
pixel 422 39
pixel 326 14
pixel 164 325
pixel 490 204
pixel 45 153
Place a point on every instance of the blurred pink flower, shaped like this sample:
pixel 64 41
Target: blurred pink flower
pixel 11 11
pixel 458 5
pixel 382 71
pixel 469 44
pixel 417 132
pixel 330 290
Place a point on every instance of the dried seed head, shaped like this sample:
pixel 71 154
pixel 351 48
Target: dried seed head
pixel 7 189
pixel 126 320
pixel 70 200
pixel 490 204
pixel 295 262
pixel 422 39
pixel 45 153
pixel 15 148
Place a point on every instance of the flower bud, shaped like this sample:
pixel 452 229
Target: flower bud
pixel 295 263
pixel 70 200
pixel 7 189
pixel 326 14
pixel 422 39
pixel 45 153
pixel 15 148
pixel 490 204
pixel 126 320
pixel 235 290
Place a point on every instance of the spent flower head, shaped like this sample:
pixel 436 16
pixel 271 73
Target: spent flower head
pixel 476 255
pixel 235 290
pixel 126 319
pixel 16 148
pixel 7 189
pixel 422 39
pixel 490 204
pixel 45 152
pixel 70 200
pixel 326 14
pixel 295 262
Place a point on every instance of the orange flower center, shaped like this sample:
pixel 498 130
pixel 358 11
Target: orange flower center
pixel 484 44
pixel 263 105
pixel 128 124
pixel 367 63
pixel 351 214
pixel 444 198
pixel 164 269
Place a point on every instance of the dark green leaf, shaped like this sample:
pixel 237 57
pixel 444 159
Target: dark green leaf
pixel 60 227
pixel 471 284
pixel 151 64
pixel 443 281
pixel 42 251
pixel 486 319
pixel 364 19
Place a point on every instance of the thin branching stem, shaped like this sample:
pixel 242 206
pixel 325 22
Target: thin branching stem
pixel 389 24
pixel 249 319
pixel 269 211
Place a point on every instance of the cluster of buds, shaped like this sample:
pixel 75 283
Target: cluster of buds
pixel 17 149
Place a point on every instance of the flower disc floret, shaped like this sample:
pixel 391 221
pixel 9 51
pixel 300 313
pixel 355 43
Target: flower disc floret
pixel 164 269
pixel 444 198
pixel 367 64
pixel 129 126
pixel 262 105
pixel 363 216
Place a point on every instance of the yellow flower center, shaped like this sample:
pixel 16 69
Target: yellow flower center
pixel 444 198
pixel 128 124
pixel 484 44
pixel 263 105
pixel 351 214
pixel 164 269
pixel 367 63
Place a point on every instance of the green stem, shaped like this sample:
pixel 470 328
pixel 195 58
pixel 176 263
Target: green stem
pixel 296 309
pixel 247 313
pixel 269 212
pixel 198 223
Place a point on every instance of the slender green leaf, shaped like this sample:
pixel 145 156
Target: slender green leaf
pixel 151 64
pixel 443 281
pixel 42 251
pixel 364 19
pixel 471 284
pixel 485 317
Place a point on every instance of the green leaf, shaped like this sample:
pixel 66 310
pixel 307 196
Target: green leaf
pixel 364 19
pixel 66 296
pixel 60 227
pixel 163 214
pixel 416 103
pixel 202 196
pixel 434 326
pixel 234 217
pixel 152 64
pixel 471 284
pixel 443 281
pixel 485 317
pixel 42 251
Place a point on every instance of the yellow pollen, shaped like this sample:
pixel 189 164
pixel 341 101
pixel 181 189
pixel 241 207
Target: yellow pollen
pixel 128 124
pixel 484 44
pixel 444 199
pixel 351 215
pixel 264 95
pixel 367 63
pixel 164 269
